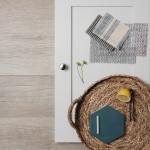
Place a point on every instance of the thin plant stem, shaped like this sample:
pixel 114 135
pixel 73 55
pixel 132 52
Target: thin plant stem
pixel 82 73
pixel 79 75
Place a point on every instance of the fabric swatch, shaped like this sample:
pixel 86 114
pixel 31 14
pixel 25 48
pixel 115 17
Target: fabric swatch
pixel 136 43
pixel 112 31
pixel 89 31
pixel 98 54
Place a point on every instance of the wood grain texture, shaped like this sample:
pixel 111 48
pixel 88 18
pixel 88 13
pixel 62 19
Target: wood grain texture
pixel 26 112
pixel 27 76
pixel 25 96
pixel 26 37
pixel 19 133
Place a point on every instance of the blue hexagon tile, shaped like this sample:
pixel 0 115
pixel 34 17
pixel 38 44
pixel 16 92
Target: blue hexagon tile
pixel 107 124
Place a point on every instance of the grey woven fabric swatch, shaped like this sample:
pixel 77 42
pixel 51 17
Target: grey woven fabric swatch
pixel 99 55
pixel 135 44
pixel 138 40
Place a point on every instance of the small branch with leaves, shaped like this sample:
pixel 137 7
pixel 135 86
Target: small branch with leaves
pixel 80 69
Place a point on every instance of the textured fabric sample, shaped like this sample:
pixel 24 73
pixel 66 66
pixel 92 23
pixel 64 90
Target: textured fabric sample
pixel 135 44
pixel 99 55
pixel 138 40
pixel 112 31
pixel 89 31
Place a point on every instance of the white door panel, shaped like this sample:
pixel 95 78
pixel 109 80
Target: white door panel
pixel 73 17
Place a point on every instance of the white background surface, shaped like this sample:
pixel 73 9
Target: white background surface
pixel 72 44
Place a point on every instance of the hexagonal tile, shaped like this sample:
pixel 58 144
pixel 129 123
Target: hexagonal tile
pixel 107 124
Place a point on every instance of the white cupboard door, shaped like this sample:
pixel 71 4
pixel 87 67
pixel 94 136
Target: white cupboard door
pixel 72 44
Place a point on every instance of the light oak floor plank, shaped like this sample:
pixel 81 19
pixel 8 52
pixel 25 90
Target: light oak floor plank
pixel 26 96
pixel 24 133
pixel 26 37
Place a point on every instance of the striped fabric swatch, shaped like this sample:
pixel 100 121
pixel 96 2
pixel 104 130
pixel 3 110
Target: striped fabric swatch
pixel 112 31
pixel 136 43
pixel 90 30
pixel 99 54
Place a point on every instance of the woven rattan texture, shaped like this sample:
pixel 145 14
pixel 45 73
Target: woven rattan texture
pixel 102 93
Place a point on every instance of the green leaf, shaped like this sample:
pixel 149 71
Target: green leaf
pixel 78 63
pixel 84 62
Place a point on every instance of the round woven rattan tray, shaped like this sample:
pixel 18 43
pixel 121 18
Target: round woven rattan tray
pixel 102 93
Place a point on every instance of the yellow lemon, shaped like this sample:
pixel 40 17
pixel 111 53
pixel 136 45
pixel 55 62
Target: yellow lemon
pixel 124 95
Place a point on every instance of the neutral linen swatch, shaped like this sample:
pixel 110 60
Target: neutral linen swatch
pixel 112 31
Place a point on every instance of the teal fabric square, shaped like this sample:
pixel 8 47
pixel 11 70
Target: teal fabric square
pixel 107 124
